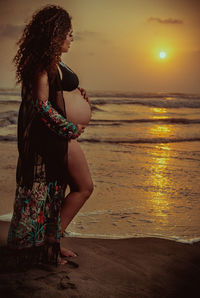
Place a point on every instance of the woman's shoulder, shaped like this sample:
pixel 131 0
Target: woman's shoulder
pixel 40 73
pixel 42 79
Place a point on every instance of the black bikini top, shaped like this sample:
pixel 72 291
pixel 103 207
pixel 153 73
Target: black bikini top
pixel 69 79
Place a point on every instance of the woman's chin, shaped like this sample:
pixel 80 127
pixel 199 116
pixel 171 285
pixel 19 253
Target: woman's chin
pixel 65 50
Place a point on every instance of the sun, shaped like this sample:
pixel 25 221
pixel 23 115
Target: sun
pixel 162 55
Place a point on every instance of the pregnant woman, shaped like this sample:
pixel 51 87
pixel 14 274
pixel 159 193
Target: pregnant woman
pixel 53 113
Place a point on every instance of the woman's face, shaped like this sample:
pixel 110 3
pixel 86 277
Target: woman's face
pixel 67 41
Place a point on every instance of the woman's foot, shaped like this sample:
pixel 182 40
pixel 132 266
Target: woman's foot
pixel 67 252
pixel 62 261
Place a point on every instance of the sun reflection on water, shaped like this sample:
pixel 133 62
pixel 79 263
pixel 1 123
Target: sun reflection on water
pixel 161 131
pixel 160 183
pixel 158 110
pixel 159 179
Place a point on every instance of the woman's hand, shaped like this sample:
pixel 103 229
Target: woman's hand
pixel 81 128
pixel 84 94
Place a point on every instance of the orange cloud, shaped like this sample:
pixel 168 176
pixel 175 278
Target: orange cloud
pixel 165 21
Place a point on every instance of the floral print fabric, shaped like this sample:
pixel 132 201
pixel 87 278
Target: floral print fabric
pixel 36 215
pixel 54 120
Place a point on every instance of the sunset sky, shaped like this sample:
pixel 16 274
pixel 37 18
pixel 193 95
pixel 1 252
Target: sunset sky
pixel 138 45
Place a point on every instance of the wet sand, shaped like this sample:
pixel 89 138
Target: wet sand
pixel 134 267
pixel 9 155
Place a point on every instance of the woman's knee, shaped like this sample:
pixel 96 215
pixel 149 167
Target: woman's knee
pixel 87 190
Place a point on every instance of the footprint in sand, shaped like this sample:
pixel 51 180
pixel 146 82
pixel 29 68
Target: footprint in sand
pixel 65 284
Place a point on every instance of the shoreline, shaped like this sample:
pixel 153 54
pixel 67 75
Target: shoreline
pixel 7 218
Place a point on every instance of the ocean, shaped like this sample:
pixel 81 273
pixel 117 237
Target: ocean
pixel 143 151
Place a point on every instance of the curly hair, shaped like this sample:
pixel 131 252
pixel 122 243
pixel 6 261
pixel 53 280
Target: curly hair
pixel 41 42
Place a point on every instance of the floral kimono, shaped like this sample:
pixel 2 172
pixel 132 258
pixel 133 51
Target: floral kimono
pixel 41 176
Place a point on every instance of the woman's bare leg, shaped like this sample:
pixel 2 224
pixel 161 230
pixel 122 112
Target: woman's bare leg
pixel 81 187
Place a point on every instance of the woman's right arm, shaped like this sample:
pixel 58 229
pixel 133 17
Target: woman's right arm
pixel 49 115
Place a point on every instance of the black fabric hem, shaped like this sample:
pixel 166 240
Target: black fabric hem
pixel 16 259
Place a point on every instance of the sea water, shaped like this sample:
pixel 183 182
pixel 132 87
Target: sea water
pixel 143 151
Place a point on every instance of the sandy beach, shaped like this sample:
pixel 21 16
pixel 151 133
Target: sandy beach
pixel 134 267
pixel 9 154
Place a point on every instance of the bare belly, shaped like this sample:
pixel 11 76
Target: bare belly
pixel 77 108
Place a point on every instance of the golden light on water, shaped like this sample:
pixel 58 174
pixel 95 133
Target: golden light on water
pixel 158 110
pixel 160 182
pixel 161 131
pixel 159 179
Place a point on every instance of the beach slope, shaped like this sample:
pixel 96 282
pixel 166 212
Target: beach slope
pixel 134 267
